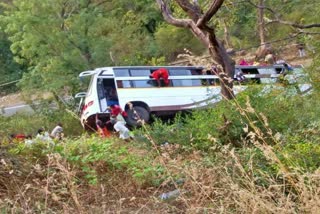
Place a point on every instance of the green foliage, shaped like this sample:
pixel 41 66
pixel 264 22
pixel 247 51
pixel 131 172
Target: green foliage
pixel 57 38
pixel 230 122
pixel 97 158
pixel 63 38
pixel 243 25
pixel 240 145
pixel 301 156
pixel 29 124
pixel 94 154
pixel 9 69
pixel 174 41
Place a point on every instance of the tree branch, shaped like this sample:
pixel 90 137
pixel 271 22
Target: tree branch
pixel 280 21
pixel 266 8
pixel 167 15
pixel 295 25
pixel 213 9
pixel 193 10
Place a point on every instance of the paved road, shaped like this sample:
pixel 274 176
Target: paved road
pixel 9 111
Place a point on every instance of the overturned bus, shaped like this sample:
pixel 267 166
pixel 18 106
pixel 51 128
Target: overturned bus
pixel 189 87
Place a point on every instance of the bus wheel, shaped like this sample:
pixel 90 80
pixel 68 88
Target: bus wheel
pixel 136 115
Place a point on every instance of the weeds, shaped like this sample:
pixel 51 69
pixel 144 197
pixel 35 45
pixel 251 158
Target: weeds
pixel 238 157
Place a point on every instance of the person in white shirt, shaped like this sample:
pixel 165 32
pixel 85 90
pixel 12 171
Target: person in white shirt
pixel 57 132
pixel 28 141
pixel 119 126
pixel 43 136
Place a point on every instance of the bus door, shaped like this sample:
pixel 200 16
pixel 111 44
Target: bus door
pixel 107 93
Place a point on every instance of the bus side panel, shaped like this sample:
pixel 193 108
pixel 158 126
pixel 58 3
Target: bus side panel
pixel 169 98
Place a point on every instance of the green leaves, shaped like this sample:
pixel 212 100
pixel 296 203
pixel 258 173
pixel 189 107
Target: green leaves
pixel 60 38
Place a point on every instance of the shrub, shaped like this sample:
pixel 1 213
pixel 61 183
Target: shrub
pixel 29 124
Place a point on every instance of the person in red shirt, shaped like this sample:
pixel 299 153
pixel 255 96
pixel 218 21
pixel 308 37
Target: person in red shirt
pixel 17 137
pixel 161 73
pixel 115 110
pixel 243 62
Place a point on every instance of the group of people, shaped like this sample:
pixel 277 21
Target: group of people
pixel 268 60
pixel 117 123
pixel 42 135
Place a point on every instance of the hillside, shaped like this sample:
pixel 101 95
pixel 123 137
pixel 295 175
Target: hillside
pixel 235 158
pixel 289 53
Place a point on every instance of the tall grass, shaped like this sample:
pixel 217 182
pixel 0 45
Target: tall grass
pixel 256 154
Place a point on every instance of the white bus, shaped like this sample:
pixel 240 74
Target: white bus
pixel 189 88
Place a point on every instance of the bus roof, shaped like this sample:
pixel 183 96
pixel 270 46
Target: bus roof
pixel 109 70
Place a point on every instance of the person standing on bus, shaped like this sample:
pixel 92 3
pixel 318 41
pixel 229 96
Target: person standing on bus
pixel 161 73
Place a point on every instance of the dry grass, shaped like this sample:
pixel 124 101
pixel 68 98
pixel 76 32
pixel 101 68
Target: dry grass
pixel 227 186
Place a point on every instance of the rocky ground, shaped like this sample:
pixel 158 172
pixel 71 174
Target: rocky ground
pixel 11 100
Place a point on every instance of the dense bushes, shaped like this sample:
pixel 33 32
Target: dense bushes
pixel 286 122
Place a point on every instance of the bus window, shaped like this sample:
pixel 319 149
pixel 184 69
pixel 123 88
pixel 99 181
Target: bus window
pixel 140 72
pixel 267 71
pixel 179 72
pixel 207 82
pixel 100 88
pixel 279 70
pixel 123 84
pixel 184 82
pixel 90 86
pixel 121 72
pixel 141 83
pixel 196 72
pixel 251 71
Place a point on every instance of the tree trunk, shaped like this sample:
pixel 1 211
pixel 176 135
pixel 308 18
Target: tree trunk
pixel 226 71
pixel 222 60
pixel 198 25
pixel 226 34
pixel 261 30
pixel 261 23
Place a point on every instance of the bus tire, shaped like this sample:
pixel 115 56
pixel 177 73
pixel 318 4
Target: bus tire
pixel 137 115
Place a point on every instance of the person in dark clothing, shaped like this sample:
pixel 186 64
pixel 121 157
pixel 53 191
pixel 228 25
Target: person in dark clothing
pixel 102 128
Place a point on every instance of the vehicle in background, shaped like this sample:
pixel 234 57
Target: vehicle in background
pixel 190 87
